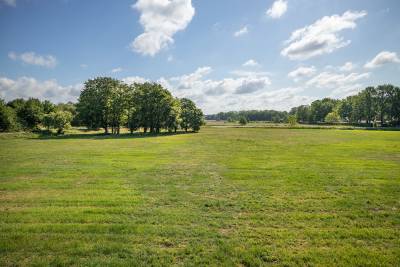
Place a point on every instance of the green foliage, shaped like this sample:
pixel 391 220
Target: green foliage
pixel 71 108
pixel 243 120
pixel 292 120
pixel 153 106
pixel 321 108
pixel 332 117
pixel 106 102
pixel 381 103
pixel 303 113
pixel 48 121
pixel 8 118
pixel 30 114
pixel 95 102
pixel 48 107
pixel 59 120
pixel 251 115
pixel 192 117
pixel 62 120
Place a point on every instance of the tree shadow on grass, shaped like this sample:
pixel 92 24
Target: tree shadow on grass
pixel 100 136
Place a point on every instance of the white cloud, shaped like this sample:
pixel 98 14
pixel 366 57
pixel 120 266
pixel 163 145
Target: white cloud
pixel 277 9
pixel 342 85
pixel 170 58
pixel 348 66
pixel 243 90
pixel 83 66
pixel 119 69
pixel 330 79
pixel 241 32
pixel 251 63
pixel 382 58
pixel 250 73
pixel 25 87
pixel 134 79
pixel 32 58
pixel 301 72
pixel 12 3
pixel 161 19
pixel 321 37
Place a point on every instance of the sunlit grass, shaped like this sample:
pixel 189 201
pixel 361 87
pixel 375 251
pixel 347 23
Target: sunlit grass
pixel 223 196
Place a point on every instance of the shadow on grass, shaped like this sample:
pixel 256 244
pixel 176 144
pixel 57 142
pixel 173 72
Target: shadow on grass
pixel 99 136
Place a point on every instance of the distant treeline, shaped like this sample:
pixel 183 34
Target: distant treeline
pixel 372 106
pixel 109 104
pixel 250 115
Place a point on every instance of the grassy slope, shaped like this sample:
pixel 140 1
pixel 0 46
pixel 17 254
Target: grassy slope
pixel 225 196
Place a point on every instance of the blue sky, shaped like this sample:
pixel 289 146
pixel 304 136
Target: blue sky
pixel 224 55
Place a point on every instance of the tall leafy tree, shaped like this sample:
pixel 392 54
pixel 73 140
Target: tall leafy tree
pixel 95 102
pixel 191 116
pixel 153 106
pixel 321 108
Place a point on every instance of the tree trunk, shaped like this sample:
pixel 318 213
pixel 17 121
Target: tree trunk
pixel 106 130
pixel 145 129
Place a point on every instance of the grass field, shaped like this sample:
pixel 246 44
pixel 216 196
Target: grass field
pixel 220 197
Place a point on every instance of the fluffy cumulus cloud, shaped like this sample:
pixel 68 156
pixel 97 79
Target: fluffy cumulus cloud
pixel 251 63
pixel 243 90
pixel 277 9
pixel 381 59
pixel 25 87
pixel 134 79
pixel 242 31
pixel 321 37
pixel 160 19
pixel 301 72
pixel 341 84
pixel 12 3
pixel 32 58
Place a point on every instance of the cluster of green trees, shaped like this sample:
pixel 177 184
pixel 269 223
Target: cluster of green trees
pixel 372 106
pixel 20 114
pixel 250 115
pixel 106 103
pixel 109 104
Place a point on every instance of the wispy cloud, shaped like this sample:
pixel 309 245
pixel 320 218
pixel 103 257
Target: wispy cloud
pixel 242 31
pixel 32 58
pixel 381 59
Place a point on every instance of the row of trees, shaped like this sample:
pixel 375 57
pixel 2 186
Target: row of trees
pixel 106 103
pixel 250 115
pixel 109 103
pixel 20 114
pixel 372 106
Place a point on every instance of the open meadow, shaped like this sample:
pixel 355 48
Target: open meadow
pixel 220 197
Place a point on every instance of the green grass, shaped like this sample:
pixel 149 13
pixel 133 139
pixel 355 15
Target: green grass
pixel 221 197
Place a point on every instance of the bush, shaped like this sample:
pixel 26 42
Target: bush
pixel 59 120
pixel 332 117
pixel 292 120
pixel 8 118
pixel 243 120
